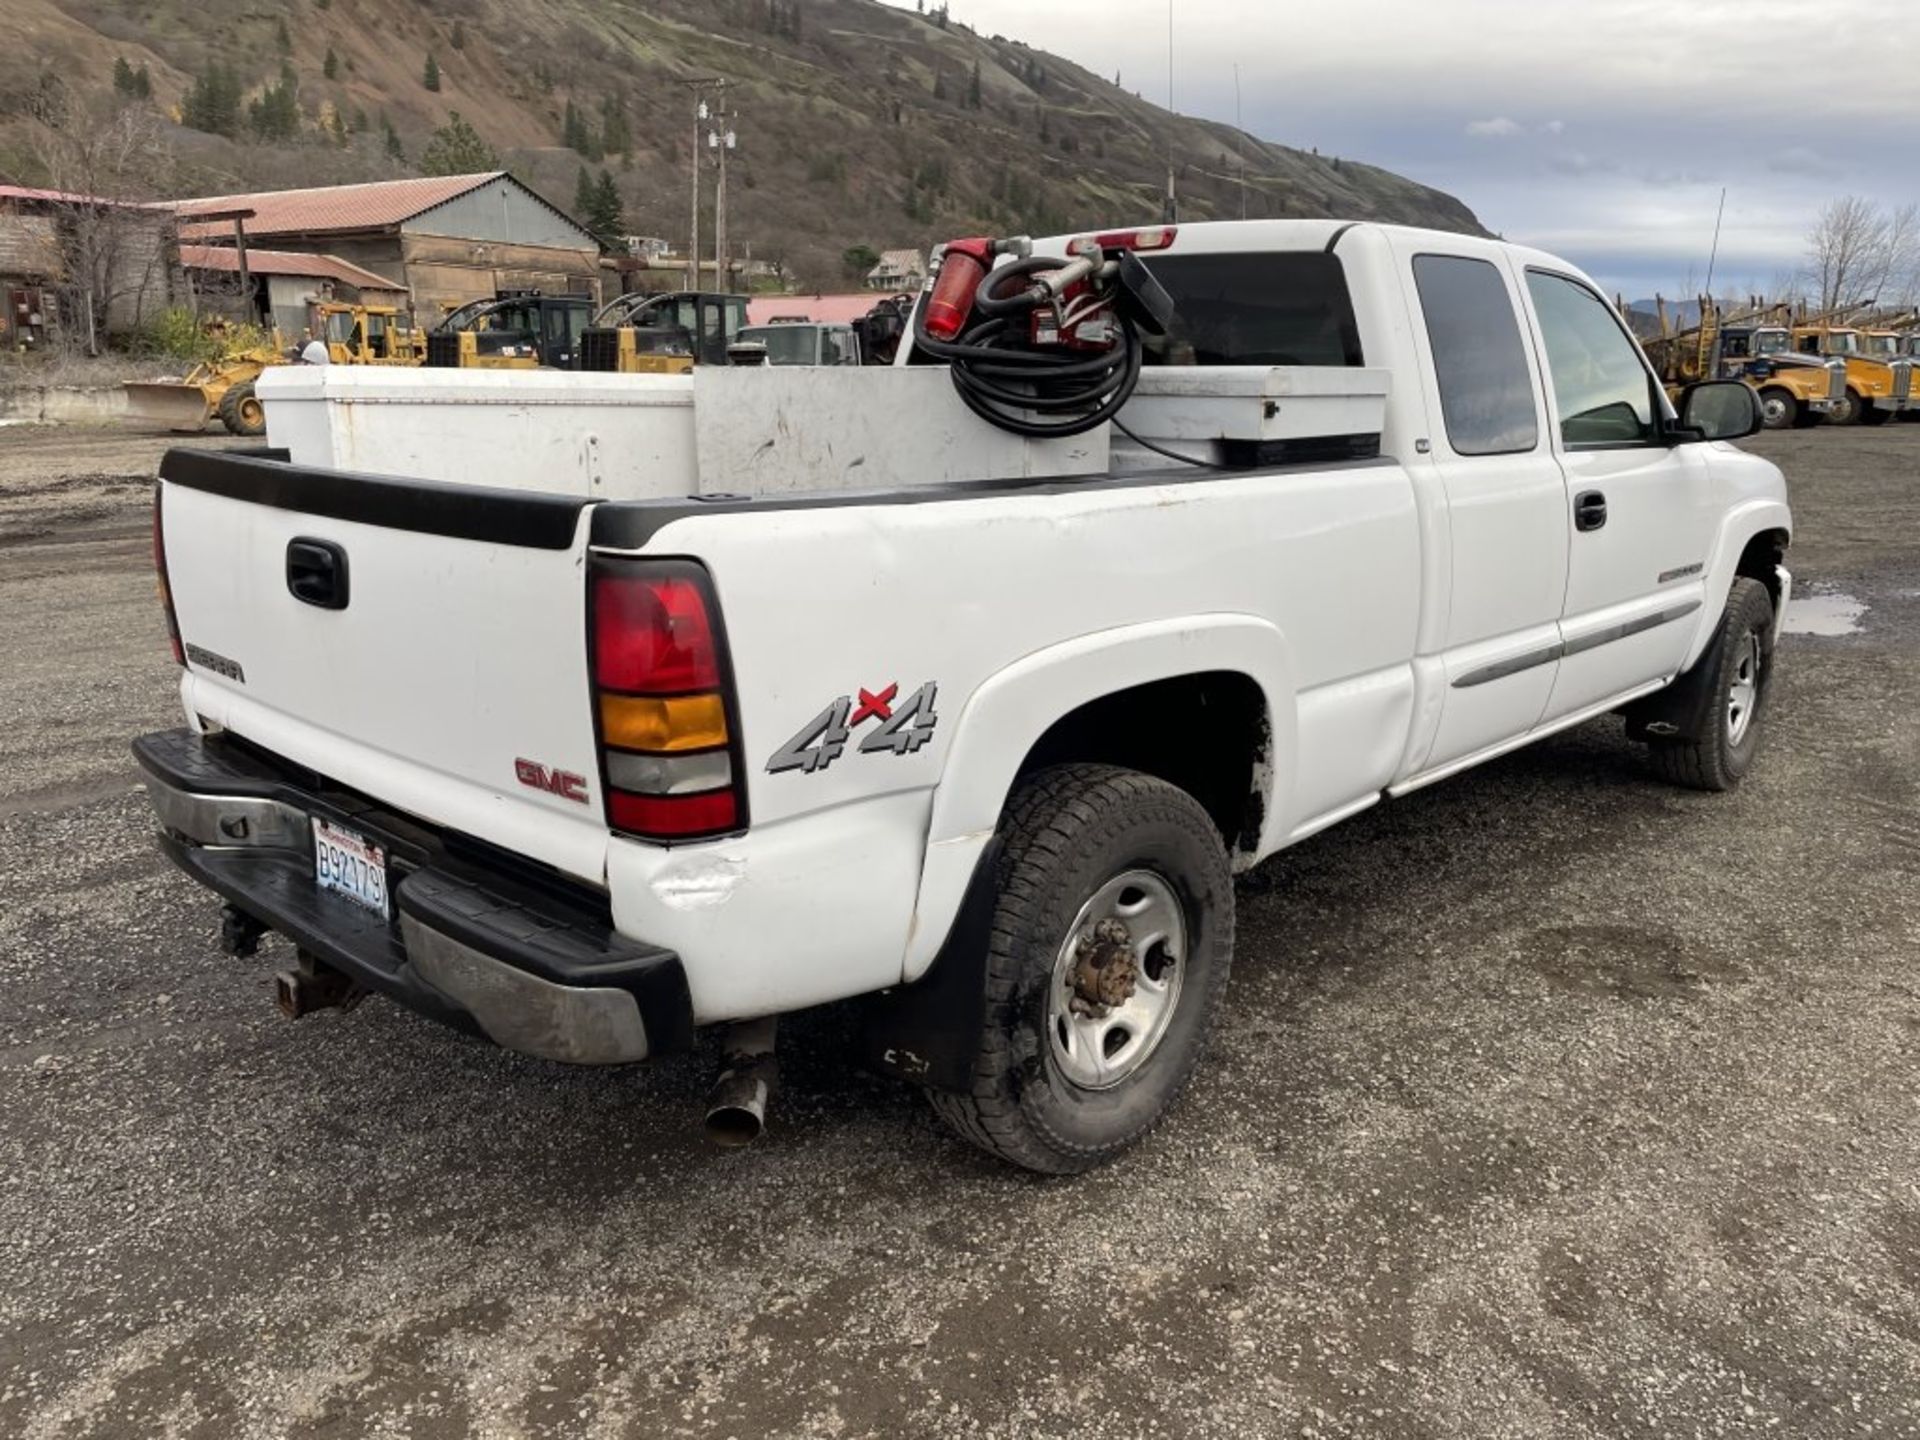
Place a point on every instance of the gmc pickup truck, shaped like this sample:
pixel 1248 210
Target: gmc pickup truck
pixel 583 775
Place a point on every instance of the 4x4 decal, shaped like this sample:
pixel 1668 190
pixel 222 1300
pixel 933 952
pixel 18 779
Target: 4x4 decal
pixel 903 729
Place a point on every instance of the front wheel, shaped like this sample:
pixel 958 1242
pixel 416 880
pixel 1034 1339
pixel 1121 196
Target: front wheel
pixel 1874 415
pixel 1110 945
pixel 1778 409
pixel 242 411
pixel 1848 411
pixel 1738 671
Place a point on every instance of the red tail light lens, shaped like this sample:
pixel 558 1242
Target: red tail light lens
pixel 652 635
pixel 160 580
pixel 669 743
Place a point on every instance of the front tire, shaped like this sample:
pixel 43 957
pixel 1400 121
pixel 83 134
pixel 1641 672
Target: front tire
pixel 1111 940
pixel 1874 415
pixel 1778 409
pixel 1738 669
pixel 241 411
pixel 1848 411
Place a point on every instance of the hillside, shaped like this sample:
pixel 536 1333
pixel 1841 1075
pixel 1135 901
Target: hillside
pixel 858 124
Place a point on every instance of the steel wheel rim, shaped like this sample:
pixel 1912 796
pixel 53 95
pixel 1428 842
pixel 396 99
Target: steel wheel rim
pixel 252 412
pixel 1097 1046
pixel 1744 693
pixel 1774 408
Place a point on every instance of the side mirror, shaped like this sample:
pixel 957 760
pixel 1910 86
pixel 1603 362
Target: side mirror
pixel 1719 410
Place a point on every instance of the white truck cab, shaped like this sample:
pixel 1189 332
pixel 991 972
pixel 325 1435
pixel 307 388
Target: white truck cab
pixel 583 774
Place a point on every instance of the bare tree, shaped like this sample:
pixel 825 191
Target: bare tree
pixel 113 250
pixel 1861 254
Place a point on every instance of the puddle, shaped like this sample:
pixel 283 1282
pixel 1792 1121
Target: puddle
pixel 1834 614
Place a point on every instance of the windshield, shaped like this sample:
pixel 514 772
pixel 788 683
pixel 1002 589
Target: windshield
pixel 786 344
pixel 1842 342
pixel 1769 342
pixel 1886 345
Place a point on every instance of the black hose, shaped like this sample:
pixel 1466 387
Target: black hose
pixel 1040 393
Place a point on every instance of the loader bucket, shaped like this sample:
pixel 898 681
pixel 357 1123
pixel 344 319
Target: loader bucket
pixel 168 405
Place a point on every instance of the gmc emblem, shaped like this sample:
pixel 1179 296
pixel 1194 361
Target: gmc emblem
pixel 564 783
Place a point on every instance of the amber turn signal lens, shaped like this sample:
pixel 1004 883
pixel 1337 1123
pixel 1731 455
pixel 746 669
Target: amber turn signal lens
pixel 663 723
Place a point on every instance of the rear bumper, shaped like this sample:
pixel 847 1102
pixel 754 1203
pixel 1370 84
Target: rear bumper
pixel 477 941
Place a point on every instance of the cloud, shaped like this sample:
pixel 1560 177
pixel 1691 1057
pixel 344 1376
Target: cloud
pixel 1800 160
pixel 1554 127
pixel 1498 128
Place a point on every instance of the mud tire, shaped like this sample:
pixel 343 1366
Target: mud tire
pixel 241 412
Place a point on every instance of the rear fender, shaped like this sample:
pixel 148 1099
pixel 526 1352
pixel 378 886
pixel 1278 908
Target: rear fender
pixel 1012 709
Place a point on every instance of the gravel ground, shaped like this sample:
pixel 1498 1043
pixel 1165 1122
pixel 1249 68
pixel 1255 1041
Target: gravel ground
pixel 1547 1102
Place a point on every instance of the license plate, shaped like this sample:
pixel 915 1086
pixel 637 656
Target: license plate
pixel 350 865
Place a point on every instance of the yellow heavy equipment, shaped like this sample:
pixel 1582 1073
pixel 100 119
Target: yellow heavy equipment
pixel 1753 344
pixel 1879 387
pixel 353 335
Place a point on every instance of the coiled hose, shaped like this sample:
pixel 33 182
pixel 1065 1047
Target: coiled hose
pixel 1043 394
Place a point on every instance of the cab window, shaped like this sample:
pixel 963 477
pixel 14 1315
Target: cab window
pixel 1479 359
pixel 1602 390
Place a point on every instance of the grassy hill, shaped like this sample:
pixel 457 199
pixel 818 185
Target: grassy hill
pixel 858 124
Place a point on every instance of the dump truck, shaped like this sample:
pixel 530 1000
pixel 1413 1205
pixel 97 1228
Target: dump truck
pixel 514 330
pixel 639 333
pixel 353 334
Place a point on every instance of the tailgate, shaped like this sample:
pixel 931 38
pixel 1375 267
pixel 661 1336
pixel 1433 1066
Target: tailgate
pixel 424 644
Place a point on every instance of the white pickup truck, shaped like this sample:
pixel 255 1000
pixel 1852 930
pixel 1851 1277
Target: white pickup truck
pixel 583 775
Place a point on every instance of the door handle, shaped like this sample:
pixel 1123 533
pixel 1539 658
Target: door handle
pixel 317 573
pixel 1589 510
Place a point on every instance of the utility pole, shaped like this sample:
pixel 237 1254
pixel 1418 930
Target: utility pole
pixel 696 85
pixel 1173 208
pixel 720 140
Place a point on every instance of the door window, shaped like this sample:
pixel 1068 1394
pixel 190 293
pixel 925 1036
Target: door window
pixel 1602 390
pixel 1479 359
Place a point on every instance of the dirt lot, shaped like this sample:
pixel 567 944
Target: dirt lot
pixel 1548 1102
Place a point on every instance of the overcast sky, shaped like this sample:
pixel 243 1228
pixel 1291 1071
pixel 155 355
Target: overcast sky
pixel 1599 129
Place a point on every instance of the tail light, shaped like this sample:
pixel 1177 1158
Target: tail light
pixel 962 266
pixel 1156 237
pixel 669 738
pixel 160 580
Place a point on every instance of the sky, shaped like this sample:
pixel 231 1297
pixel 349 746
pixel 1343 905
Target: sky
pixel 1601 130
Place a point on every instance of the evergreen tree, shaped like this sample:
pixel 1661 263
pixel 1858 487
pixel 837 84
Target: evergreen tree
pixel 275 115
pixel 573 131
pixel 330 67
pixel 973 88
pixel 123 81
pixel 395 150
pixel 605 215
pixel 582 195
pixel 143 82
pixel 459 37
pixel 430 73
pixel 939 84
pixel 457 149
pixel 283 37
pixel 212 102
pixel 616 136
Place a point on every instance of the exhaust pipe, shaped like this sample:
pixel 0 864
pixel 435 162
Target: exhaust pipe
pixel 315 985
pixel 737 1104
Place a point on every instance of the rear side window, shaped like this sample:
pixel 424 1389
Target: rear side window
pixel 1486 394
pixel 1285 309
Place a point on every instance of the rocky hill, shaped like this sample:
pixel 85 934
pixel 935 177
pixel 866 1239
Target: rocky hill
pixel 859 124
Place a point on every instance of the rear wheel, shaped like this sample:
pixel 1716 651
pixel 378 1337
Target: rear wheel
pixel 1111 940
pixel 1738 672
pixel 1778 408
pixel 241 411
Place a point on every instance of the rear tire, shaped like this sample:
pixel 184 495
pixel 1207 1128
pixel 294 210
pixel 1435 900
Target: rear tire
pixel 1106 877
pixel 241 411
pixel 1739 663
pixel 1778 409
